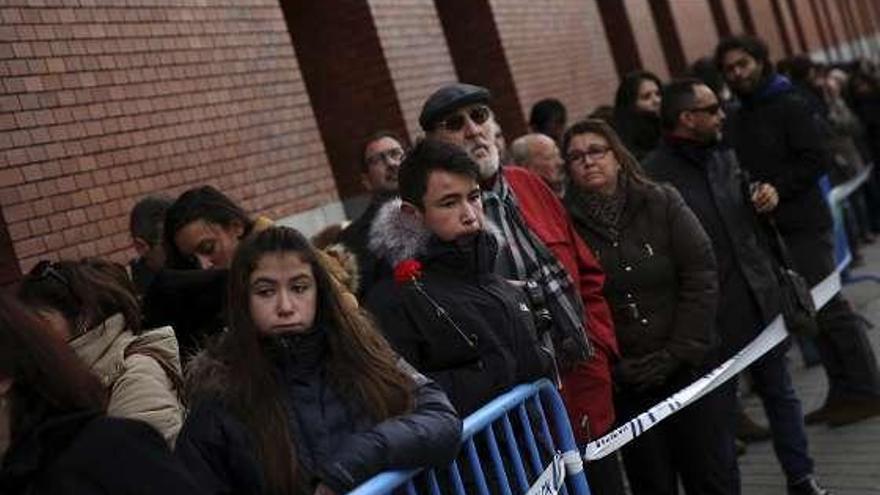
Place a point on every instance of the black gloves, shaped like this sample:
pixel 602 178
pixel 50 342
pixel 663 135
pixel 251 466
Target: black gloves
pixel 646 372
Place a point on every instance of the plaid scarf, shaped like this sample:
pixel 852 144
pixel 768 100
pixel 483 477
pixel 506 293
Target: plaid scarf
pixel 533 261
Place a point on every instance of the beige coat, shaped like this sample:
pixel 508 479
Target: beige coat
pixel 138 385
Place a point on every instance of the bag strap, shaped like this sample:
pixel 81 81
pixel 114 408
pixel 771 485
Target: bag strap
pixel 778 244
pixel 170 371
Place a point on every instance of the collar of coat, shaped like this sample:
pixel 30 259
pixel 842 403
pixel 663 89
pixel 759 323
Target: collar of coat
pixel 396 236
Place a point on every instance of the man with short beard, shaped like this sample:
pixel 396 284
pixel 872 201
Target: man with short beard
pixel 779 140
pixel 541 247
pixel 708 176
pixel 381 156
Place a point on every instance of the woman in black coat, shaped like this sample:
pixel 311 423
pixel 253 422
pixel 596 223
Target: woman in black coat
pixel 54 436
pixel 662 287
pixel 302 394
pixel 637 112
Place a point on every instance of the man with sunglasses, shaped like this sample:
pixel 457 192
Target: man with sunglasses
pixel 541 247
pixel 780 140
pixel 691 158
pixel 381 156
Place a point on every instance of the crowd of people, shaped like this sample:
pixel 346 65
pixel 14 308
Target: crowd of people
pixel 621 256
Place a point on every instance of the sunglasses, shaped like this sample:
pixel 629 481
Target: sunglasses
pixel 387 156
pixel 710 109
pixel 44 270
pixel 454 123
pixel 593 153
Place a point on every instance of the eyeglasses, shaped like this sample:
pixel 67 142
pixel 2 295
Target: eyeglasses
pixel 710 109
pixel 454 123
pixel 387 156
pixel 594 153
pixel 44 270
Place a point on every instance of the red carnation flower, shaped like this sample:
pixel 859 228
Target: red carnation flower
pixel 407 271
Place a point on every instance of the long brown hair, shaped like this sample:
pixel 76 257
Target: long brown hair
pixel 628 163
pixel 85 292
pixel 47 377
pixel 360 363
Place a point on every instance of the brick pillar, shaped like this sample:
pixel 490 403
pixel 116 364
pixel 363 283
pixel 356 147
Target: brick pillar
pixel 347 79
pixel 798 27
pixel 479 58
pixel 720 18
pixel 745 13
pixel 675 59
pixel 780 23
pixel 827 43
pixel 620 37
pixel 826 14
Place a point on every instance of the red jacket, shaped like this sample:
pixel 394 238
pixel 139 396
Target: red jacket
pixel 587 388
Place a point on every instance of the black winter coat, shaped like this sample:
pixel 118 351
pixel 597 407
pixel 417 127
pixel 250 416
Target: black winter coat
pixel 660 273
pixel 335 440
pixel 713 186
pixel 483 340
pixel 88 453
pixel 780 140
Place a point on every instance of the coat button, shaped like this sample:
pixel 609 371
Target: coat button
pixel 627 268
pixel 480 365
pixel 644 321
pixel 629 295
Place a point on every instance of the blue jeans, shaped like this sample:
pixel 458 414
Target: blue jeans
pixel 783 408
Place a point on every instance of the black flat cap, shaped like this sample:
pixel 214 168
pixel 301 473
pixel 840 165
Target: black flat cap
pixel 449 98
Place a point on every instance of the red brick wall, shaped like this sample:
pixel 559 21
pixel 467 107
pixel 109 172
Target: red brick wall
pixel 416 53
pixel 102 106
pixel 647 38
pixel 733 18
pixel 696 28
pixel 557 48
pixel 765 25
pixel 809 26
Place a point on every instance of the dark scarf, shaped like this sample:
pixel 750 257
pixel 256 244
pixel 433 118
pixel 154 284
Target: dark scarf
pixel 532 260
pixel 602 209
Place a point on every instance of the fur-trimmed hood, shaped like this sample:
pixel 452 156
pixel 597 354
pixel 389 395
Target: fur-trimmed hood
pixel 396 236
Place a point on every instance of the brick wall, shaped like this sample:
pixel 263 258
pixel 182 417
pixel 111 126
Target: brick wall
pixel 102 106
pixel 765 25
pixel 647 38
pixel 557 48
pixel 416 53
pixel 696 28
pixel 733 18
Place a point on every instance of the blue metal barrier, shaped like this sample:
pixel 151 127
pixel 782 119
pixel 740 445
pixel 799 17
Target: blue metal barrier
pixel 842 253
pixel 507 444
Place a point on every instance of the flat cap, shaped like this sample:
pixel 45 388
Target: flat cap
pixel 449 98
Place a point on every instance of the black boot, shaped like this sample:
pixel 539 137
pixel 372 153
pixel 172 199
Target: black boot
pixel 807 486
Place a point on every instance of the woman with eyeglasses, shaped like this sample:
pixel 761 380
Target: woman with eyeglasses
pixel 302 395
pixel 662 287
pixel 92 305
pixel 637 112
pixel 54 435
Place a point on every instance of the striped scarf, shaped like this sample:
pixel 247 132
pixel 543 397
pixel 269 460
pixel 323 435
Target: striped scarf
pixel 533 261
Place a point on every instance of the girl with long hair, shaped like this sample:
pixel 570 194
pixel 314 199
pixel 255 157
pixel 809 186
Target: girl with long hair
pixel 54 436
pixel 92 305
pixel 302 395
pixel 637 112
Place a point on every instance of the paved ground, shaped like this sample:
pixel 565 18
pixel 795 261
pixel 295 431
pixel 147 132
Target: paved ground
pixel 847 458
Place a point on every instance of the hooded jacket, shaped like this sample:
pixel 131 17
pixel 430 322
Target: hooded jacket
pixel 141 372
pixel 335 440
pixel 460 323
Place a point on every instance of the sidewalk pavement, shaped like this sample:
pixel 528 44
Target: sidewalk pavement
pixel 847 458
